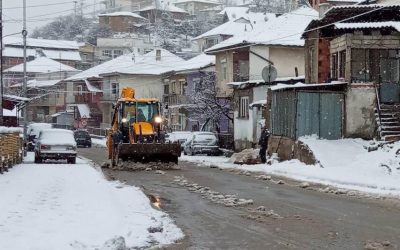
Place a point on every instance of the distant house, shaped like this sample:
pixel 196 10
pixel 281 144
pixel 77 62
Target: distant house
pixel 241 59
pixel 234 12
pixel 89 59
pixel 41 68
pixel 144 73
pixel 194 7
pixel 123 21
pixel 362 53
pixel 152 13
pixel 179 90
pixel 113 47
pixel 44 86
pixel 235 27
pixel 66 52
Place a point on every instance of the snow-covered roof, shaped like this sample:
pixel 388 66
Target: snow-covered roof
pixel 364 6
pixel 42 65
pixel 66 55
pixel 104 68
pixel 197 1
pixel 170 8
pixel 234 13
pixel 123 13
pixel 38 83
pixel 254 83
pixel 148 64
pixel 240 26
pixel 92 88
pixel 258 103
pixel 281 86
pixel 199 62
pixel 284 30
pixel 15 98
pixel 41 43
pixel 371 25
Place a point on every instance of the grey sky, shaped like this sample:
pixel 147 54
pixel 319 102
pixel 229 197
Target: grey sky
pixel 38 16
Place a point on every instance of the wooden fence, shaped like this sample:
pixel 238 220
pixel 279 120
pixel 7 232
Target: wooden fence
pixel 11 150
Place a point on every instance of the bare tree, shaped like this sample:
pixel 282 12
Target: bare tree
pixel 205 105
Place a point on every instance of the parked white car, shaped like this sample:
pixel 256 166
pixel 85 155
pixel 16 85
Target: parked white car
pixel 178 136
pixel 202 143
pixel 55 144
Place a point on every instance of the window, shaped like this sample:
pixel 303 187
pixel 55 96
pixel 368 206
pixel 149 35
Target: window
pixel 166 89
pixel 342 64
pixel 360 65
pixel 243 70
pixel 79 90
pixel 117 53
pixel 173 87
pixel 182 87
pixel 114 88
pixel 334 66
pixel 244 107
pixel 390 67
pixel 224 73
pixel 107 53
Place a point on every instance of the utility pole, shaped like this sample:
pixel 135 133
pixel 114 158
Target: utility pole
pixel 1 63
pixel 24 34
pixel 75 8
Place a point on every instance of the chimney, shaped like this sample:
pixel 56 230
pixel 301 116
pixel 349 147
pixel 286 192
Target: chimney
pixel 323 8
pixel 158 55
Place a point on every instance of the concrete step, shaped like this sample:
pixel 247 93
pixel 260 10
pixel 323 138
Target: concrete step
pixel 391 138
pixel 388 132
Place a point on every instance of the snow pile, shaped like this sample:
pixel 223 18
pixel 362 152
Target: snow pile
pixel 62 206
pixel 345 164
pixel 99 143
pixel 247 156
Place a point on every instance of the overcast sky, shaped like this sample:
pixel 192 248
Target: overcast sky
pixel 40 15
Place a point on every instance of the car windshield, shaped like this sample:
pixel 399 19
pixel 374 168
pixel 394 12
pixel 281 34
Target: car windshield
pixel 140 111
pixel 204 137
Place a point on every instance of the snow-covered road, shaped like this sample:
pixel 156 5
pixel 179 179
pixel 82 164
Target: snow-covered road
pixel 61 206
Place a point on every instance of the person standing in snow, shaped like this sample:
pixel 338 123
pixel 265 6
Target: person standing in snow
pixel 263 142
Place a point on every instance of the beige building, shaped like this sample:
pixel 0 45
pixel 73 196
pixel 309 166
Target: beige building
pixel 195 7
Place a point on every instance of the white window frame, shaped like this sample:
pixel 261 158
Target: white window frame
pixel 79 89
pixel 244 107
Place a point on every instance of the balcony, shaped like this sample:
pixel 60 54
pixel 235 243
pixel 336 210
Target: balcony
pixel 175 99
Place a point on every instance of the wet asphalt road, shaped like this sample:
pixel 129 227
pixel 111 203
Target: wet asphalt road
pixel 311 220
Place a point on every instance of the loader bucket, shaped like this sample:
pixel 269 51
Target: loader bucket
pixel 149 152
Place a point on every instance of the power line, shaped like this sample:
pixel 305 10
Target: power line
pixel 34 6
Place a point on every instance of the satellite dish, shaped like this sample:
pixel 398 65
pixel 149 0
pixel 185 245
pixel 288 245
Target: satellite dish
pixel 269 73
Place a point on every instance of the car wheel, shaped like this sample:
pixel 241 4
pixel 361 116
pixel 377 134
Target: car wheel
pixel 38 159
pixel 191 153
pixel 90 145
pixel 71 160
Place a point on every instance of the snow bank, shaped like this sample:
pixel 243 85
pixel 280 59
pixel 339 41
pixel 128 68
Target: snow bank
pixel 100 143
pixel 343 163
pixel 60 206
pixel 4 130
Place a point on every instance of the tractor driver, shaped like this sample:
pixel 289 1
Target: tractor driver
pixel 131 116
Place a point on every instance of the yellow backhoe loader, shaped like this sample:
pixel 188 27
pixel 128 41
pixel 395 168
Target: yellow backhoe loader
pixel 137 132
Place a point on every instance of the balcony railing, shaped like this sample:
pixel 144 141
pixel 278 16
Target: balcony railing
pixel 175 99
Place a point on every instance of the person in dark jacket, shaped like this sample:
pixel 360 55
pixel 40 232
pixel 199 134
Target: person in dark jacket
pixel 263 142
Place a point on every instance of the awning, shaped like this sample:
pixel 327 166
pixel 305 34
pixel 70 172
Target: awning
pixel 83 109
pixel 92 88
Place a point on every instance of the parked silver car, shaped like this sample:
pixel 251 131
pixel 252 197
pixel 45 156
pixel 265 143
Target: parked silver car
pixel 202 143
pixel 56 144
